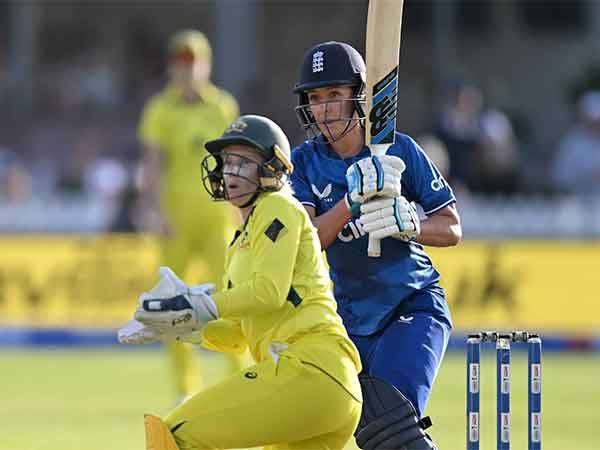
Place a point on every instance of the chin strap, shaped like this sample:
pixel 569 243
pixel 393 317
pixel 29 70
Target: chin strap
pixel 251 200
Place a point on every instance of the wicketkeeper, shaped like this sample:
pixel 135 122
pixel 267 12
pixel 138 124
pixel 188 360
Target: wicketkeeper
pixel 303 392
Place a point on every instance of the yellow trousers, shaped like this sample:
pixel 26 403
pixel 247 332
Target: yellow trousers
pixel 283 405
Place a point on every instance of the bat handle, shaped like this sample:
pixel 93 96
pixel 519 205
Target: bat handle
pixel 374 249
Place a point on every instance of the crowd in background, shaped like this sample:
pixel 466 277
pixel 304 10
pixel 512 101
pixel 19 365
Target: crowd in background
pixel 82 142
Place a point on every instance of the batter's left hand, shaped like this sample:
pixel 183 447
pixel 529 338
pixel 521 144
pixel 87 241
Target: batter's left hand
pixel 374 176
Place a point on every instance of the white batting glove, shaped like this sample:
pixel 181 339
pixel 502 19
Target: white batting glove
pixel 175 310
pixel 374 176
pixel 390 217
pixel 135 332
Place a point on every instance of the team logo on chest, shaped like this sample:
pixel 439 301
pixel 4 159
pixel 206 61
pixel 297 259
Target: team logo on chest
pixel 324 194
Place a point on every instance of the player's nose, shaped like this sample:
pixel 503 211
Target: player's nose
pixel 318 110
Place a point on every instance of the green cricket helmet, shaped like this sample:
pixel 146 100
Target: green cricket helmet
pixel 263 135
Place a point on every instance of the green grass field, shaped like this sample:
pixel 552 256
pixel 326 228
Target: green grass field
pixel 94 400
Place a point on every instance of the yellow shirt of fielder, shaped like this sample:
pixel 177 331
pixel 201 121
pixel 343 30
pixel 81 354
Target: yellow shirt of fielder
pixel 180 129
pixel 277 291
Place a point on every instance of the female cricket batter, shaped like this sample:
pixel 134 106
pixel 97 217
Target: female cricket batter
pixel 393 306
pixel 303 392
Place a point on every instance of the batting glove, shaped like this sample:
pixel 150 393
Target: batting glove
pixel 374 176
pixel 175 310
pixel 390 217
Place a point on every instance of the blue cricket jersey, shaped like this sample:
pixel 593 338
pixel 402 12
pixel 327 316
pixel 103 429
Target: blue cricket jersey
pixel 369 290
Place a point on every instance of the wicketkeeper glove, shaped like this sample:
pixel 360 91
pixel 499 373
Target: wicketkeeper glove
pixel 373 176
pixel 394 217
pixel 175 310
pixel 135 332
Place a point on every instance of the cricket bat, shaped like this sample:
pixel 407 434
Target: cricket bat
pixel 384 24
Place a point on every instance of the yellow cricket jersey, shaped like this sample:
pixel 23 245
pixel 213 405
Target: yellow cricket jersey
pixel 278 291
pixel 180 129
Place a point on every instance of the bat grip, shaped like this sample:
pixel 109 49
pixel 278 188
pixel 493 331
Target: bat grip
pixel 374 249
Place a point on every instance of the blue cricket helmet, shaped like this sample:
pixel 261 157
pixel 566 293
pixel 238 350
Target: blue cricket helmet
pixel 330 64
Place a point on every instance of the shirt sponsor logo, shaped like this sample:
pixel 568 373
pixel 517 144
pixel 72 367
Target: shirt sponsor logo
pixel 438 183
pixel 352 230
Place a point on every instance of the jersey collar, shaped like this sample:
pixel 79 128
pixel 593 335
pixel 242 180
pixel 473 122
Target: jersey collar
pixel 324 147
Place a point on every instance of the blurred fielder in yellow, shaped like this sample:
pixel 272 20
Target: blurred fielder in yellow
pixel 303 392
pixel 174 126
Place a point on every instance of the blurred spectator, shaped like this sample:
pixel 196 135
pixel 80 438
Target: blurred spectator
pixel 99 81
pixel 106 179
pixel 458 129
pixel 15 179
pixel 497 158
pixel 17 184
pixel 89 144
pixel 577 163
pixel 126 215
pixel 437 152
pixel 88 82
pixel 481 143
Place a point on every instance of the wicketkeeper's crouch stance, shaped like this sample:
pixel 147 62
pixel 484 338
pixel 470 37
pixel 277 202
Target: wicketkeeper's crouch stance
pixel 303 392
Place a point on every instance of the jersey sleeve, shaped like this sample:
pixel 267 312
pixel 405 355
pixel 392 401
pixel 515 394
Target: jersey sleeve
pixel 224 335
pixel 422 182
pixel 299 181
pixel 150 126
pixel 275 238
